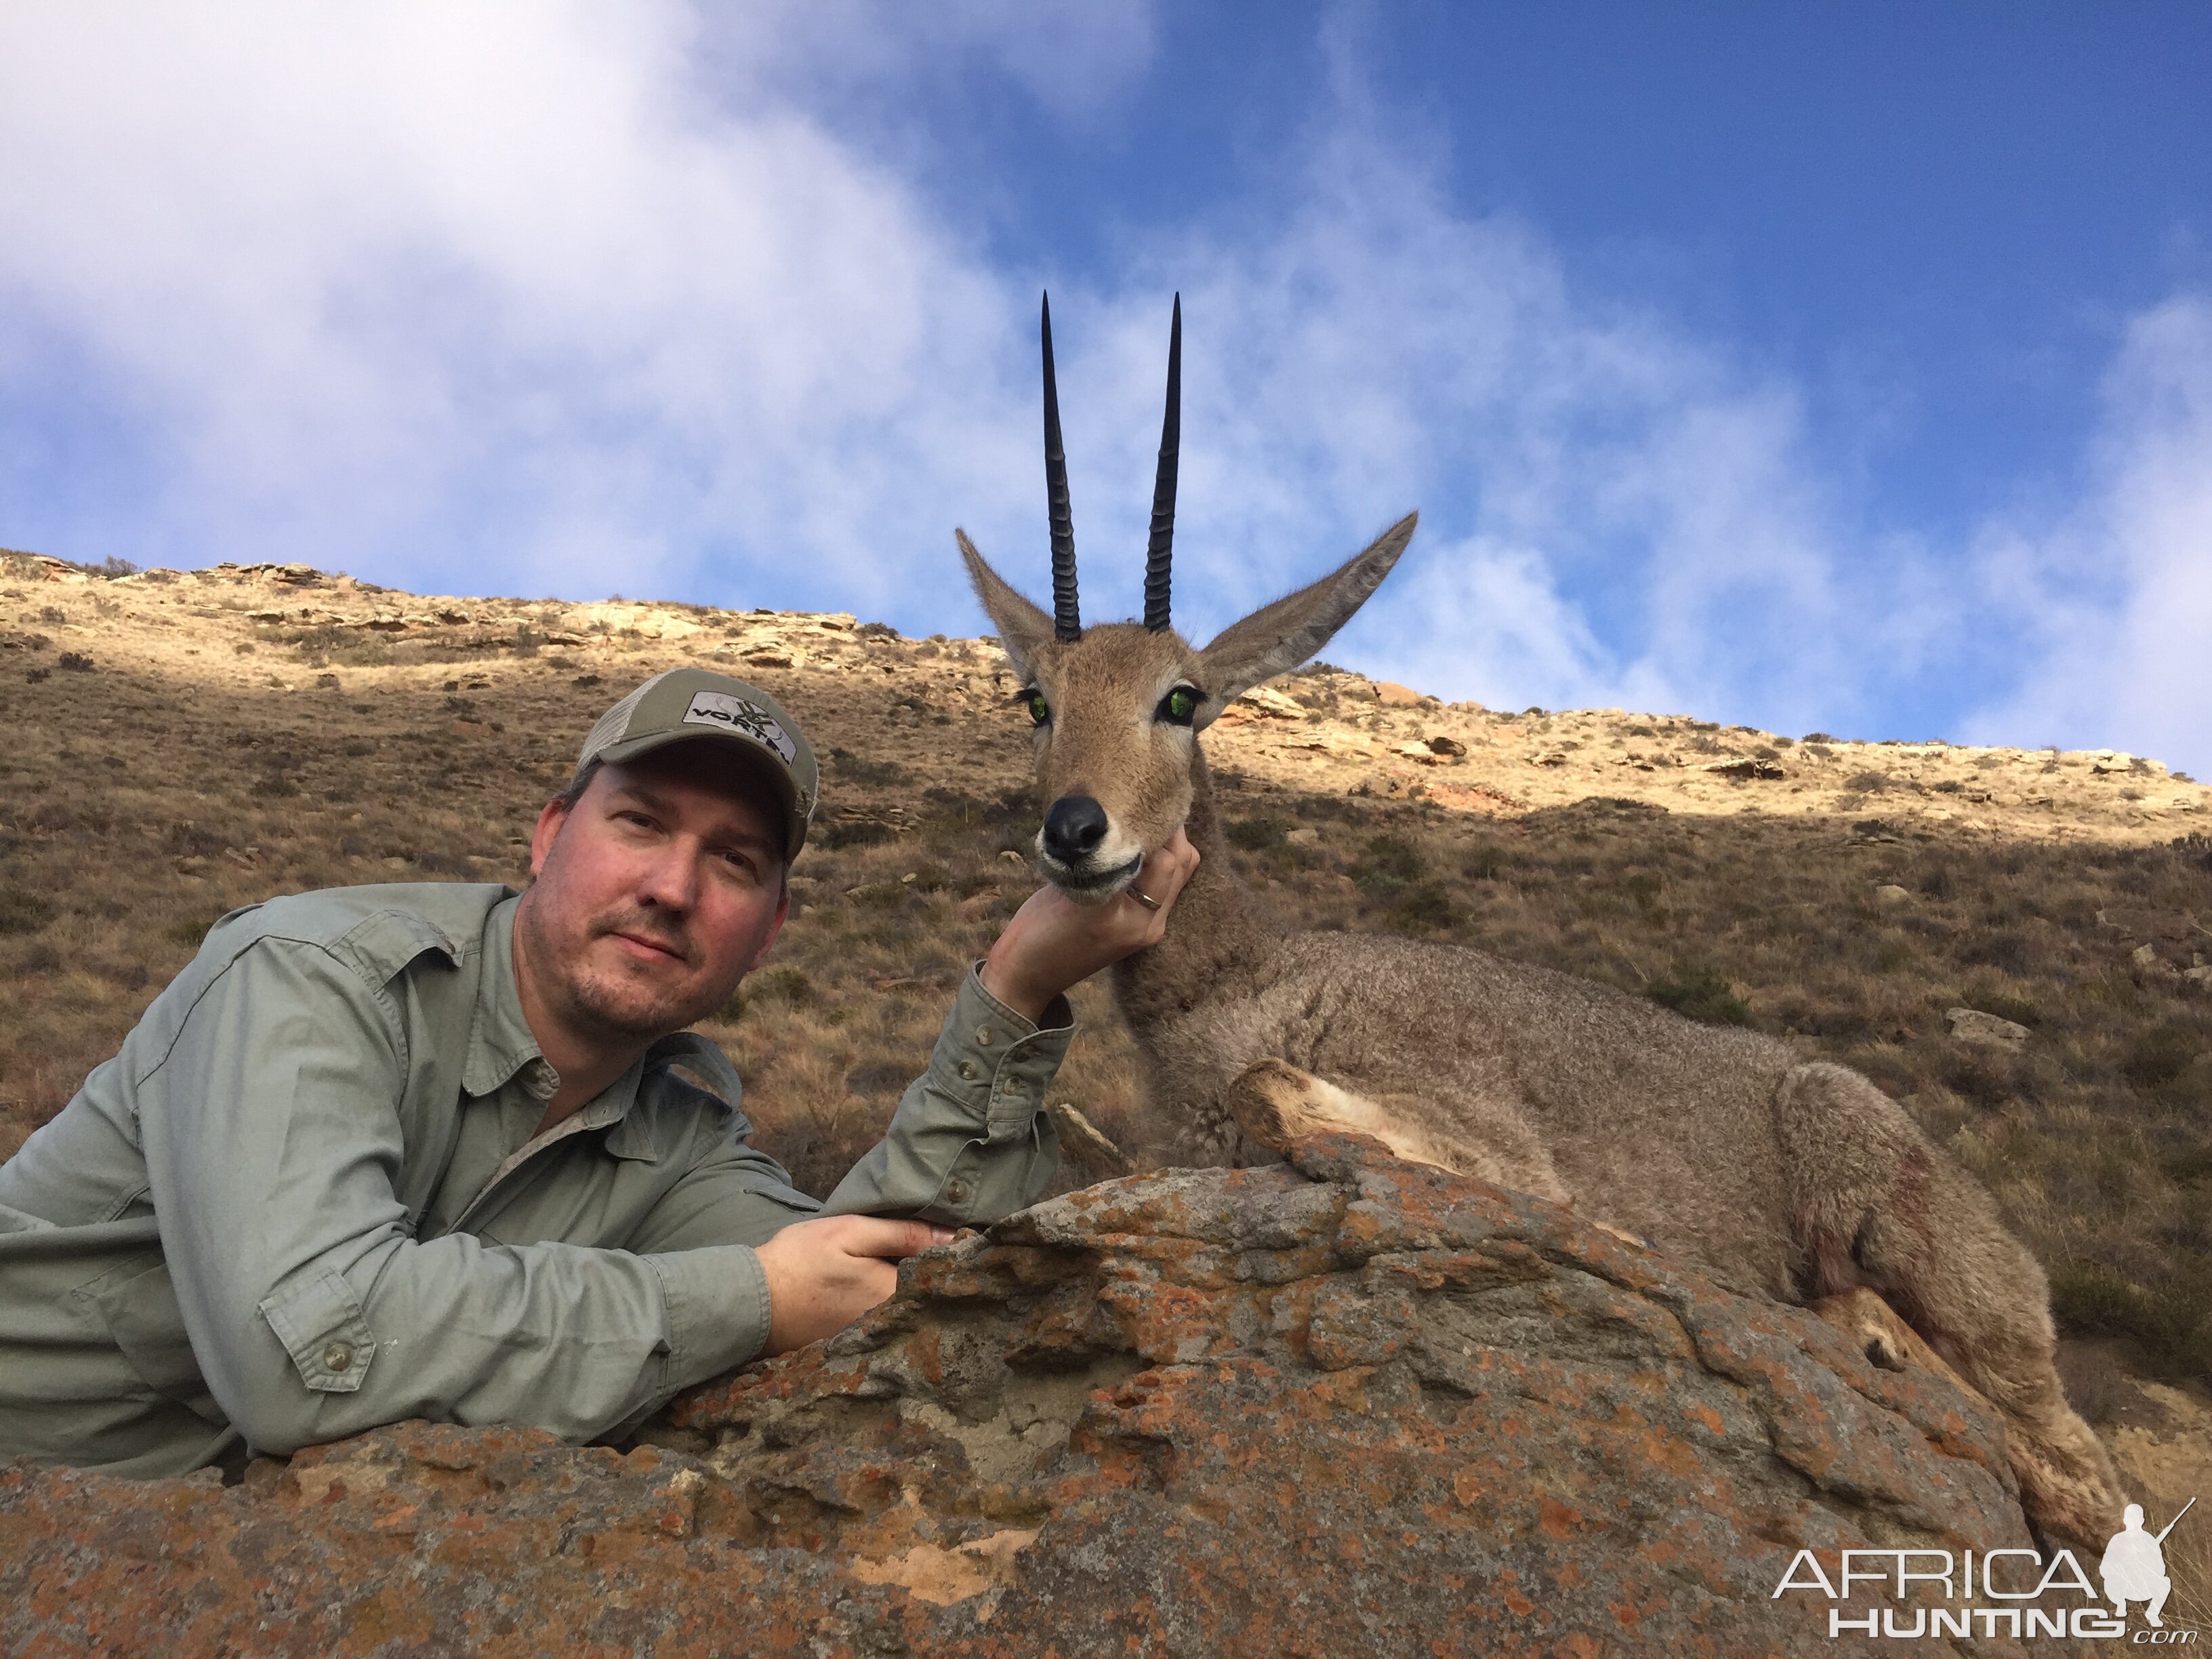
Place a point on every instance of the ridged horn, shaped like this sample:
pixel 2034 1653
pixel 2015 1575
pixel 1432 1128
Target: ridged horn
pixel 1159 552
pixel 1067 615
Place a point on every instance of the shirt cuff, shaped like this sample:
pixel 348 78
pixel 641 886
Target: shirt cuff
pixel 994 1063
pixel 717 1304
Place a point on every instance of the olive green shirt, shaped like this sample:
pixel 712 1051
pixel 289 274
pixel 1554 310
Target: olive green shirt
pixel 307 1197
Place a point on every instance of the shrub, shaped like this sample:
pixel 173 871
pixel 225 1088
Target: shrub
pixel 2158 1058
pixel 21 912
pixel 1702 995
pixel 1256 834
pixel 865 774
pixel 1643 888
pixel 2089 1299
pixel 1936 882
pixel 788 986
pixel 1391 861
pixel 854 832
pixel 1426 909
pixel 1485 863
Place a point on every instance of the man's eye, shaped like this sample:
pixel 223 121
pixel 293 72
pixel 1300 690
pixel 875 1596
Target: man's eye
pixel 1040 710
pixel 1179 707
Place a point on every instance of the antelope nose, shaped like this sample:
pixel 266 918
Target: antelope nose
pixel 1073 828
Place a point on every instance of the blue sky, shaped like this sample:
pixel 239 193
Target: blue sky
pixel 1810 366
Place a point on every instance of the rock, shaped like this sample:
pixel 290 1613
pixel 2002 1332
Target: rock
pixel 1344 1406
pixel 1265 700
pixel 2109 761
pixel 1391 695
pixel 1448 748
pixel 1765 770
pixel 1476 798
pixel 2199 977
pixel 1425 753
pixel 1972 1026
pixel 1092 1147
pixel 1891 893
pixel 2144 956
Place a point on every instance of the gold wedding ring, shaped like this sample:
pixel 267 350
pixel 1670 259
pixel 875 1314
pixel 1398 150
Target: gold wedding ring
pixel 1145 899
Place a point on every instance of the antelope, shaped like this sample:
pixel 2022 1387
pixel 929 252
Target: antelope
pixel 1794 1180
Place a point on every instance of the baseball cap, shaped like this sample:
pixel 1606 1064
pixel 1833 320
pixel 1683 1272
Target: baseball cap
pixel 687 703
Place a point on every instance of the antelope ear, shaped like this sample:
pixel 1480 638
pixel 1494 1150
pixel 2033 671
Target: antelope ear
pixel 1276 638
pixel 1022 627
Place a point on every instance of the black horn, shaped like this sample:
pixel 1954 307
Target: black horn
pixel 1159 552
pixel 1067 616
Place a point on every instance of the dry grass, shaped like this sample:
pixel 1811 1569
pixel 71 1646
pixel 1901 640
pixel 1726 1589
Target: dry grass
pixel 235 736
pixel 2092 1135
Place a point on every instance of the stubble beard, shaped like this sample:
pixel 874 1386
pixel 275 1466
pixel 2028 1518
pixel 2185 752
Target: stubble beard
pixel 611 1007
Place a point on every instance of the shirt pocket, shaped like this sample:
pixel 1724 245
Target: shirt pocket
pixel 138 1305
pixel 321 1325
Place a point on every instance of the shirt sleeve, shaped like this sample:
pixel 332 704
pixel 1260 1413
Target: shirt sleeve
pixel 273 1145
pixel 717 1295
pixel 971 1142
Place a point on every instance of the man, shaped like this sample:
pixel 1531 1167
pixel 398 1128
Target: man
pixel 438 1151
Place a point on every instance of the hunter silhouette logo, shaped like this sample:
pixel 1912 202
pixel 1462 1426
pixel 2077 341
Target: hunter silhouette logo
pixel 2134 1567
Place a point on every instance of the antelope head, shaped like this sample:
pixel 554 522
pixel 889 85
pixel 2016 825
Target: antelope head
pixel 1117 708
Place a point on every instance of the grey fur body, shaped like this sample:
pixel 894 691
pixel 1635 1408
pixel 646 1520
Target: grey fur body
pixel 1794 1180
pixel 1633 1108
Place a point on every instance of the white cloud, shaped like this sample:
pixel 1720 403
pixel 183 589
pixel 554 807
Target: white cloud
pixel 580 297
pixel 2113 601
pixel 1612 512
pixel 501 286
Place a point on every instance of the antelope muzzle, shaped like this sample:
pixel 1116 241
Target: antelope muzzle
pixel 1076 830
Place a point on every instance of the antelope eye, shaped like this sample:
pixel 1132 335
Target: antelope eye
pixel 1040 710
pixel 1179 707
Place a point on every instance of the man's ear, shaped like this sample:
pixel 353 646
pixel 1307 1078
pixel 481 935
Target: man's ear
pixel 549 826
pixel 1022 627
pixel 1276 638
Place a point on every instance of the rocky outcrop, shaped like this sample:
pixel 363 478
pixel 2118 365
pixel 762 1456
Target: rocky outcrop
pixel 1343 1407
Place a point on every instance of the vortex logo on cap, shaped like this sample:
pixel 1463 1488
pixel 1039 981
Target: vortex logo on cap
pixel 737 713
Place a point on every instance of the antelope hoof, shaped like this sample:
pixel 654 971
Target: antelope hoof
pixel 1876 1331
pixel 1271 1102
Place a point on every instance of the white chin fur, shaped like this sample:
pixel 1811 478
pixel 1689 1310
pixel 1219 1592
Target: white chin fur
pixel 1108 884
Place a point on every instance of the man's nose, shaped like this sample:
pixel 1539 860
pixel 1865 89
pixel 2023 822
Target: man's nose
pixel 670 879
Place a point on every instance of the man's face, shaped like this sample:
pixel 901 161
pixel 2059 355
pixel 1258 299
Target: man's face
pixel 654 895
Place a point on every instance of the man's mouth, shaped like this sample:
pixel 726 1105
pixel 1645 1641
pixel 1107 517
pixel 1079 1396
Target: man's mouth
pixel 647 946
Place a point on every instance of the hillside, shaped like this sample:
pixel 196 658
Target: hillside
pixel 192 741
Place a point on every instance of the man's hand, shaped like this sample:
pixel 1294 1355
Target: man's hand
pixel 1053 942
pixel 823 1274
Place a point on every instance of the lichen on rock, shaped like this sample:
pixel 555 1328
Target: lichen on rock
pixel 1342 1405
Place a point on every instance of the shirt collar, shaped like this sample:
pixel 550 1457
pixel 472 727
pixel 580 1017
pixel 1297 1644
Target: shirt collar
pixel 500 1040
pixel 501 1044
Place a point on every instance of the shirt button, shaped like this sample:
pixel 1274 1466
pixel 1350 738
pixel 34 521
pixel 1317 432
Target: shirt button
pixel 338 1357
pixel 968 1070
pixel 984 1036
pixel 955 1192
